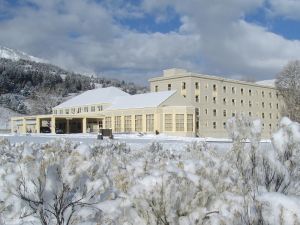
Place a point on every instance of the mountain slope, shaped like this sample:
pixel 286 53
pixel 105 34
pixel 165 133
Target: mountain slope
pixel 16 55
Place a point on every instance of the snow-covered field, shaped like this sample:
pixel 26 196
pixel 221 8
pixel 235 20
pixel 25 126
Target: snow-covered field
pixel 152 180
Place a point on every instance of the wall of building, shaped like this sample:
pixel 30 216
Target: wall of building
pixel 216 104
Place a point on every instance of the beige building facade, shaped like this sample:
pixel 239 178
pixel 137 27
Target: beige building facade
pixel 217 99
pixel 180 103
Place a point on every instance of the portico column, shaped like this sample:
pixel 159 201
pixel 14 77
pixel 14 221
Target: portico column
pixel 84 125
pixel 37 125
pixel 53 125
pixel 24 126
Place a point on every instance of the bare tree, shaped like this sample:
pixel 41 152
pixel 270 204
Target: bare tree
pixel 288 84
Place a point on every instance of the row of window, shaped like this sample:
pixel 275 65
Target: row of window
pixel 233 114
pixel 179 122
pixel 138 123
pixel 78 110
pixel 214 88
pixel 214 125
pixel 214 100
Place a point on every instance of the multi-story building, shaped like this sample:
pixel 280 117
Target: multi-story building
pixel 180 103
pixel 216 99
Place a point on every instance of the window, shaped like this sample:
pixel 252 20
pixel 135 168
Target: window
pixel 156 88
pixel 118 124
pixel 270 94
pixel 184 96
pixel 138 123
pixel 270 126
pixel 263 115
pixel 61 111
pixel 190 122
pixel 179 122
pixel 242 102
pixel 214 112
pixel 168 122
pixel 150 122
pixel 270 104
pixel 206 111
pixel 93 109
pixel 263 94
pixel 99 107
pixel 242 91
pixel 263 104
pixel 233 90
pixel 169 87
pixel 197 98
pixel 79 110
pixel 233 101
pixel 206 98
pixel 214 100
pixel 277 95
pixel 86 109
pixel 224 101
pixel 250 114
pixel 277 106
pixel 224 89
pixel 127 124
pixel 54 112
pixel 250 93
pixel 215 125
pixel 108 122
pixel 183 86
pixel 224 125
pixel 73 110
pixel 250 104
pixel 214 87
pixel 233 114
pixel 67 111
pixel 196 85
pixel 224 113
pixel 270 115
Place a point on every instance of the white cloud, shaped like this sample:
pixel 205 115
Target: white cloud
pixel 287 8
pixel 86 36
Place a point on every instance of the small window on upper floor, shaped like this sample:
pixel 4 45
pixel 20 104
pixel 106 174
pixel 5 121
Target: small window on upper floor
pixel 263 94
pixel 270 115
pixel 250 114
pixel 224 89
pixel 233 101
pixel 156 88
pixel 214 112
pixel 67 111
pixel 183 86
pixel 233 114
pixel 224 125
pixel 93 109
pixel 224 101
pixel 250 104
pixel 169 87
pixel 214 100
pixel 250 93
pixel 215 125
pixel 277 94
pixel 184 96
pixel 270 94
pixel 206 111
pixel 263 104
pixel 233 90
pixel 197 85
pixel 214 87
pixel 242 91
pixel 277 106
pixel 263 115
pixel 242 102
pixel 270 104
pixel 61 111
pixel 206 98
pixel 224 113
pixel 197 98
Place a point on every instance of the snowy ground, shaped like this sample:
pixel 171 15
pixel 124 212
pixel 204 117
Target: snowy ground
pixel 133 140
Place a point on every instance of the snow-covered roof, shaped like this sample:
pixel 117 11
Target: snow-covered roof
pixel 270 83
pixel 147 100
pixel 95 96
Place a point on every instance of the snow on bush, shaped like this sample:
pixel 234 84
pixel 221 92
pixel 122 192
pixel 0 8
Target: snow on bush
pixel 63 182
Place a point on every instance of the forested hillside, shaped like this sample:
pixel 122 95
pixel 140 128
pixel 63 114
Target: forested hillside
pixel 34 87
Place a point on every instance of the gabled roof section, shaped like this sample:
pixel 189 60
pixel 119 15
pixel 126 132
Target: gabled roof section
pixel 92 97
pixel 147 100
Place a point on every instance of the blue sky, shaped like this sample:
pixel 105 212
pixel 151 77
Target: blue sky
pixel 137 39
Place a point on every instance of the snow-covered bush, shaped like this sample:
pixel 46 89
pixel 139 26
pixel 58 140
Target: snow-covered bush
pixel 109 183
